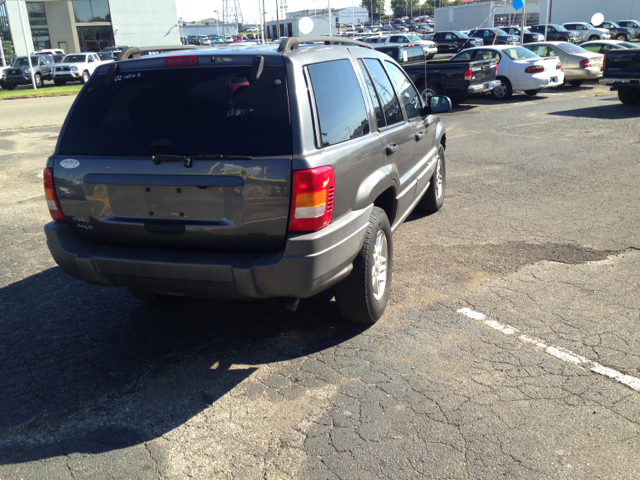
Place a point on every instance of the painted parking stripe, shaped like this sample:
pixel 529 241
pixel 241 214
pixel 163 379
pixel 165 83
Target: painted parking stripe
pixel 557 352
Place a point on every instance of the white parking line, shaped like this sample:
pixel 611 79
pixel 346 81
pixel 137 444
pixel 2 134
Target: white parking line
pixel 558 352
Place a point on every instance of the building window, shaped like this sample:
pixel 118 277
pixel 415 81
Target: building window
pixel 37 15
pixel 41 40
pixel 94 39
pixel 89 11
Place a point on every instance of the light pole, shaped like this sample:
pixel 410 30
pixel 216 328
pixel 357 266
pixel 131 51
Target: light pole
pixel 329 13
pixel 26 44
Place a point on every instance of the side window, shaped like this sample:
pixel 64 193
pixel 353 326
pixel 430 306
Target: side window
pixel 374 95
pixel 408 94
pixel 551 29
pixel 592 48
pixel 464 56
pixel 390 104
pixel 448 36
pixel 552 53
pixel 541 50
pixel 339 101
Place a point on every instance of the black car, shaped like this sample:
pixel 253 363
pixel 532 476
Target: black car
pixel 454 41
pixel 529 36
pixel 556 33
pixel 616 31
pixel 497 36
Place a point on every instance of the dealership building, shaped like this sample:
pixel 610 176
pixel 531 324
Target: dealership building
pixel 88 25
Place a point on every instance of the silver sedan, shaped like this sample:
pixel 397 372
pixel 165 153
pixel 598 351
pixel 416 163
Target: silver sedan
pixel 578 64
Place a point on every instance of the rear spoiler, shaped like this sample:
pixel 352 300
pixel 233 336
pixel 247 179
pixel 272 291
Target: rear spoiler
pixel 137 52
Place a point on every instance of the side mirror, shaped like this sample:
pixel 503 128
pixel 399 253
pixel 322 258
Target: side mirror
pixel 437 104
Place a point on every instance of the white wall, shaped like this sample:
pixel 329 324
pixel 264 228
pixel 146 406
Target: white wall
pixel 564 11
pixel 464 17
pixel 21 47
pixel 220 29
pixel 144 23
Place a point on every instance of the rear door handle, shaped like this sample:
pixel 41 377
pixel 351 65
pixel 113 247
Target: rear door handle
pixel 392 147
pixel 419 136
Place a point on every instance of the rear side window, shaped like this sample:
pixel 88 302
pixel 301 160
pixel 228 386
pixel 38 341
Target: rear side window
pixel 374 96
pixel 390 105
pixel 194 110
pixel 339 101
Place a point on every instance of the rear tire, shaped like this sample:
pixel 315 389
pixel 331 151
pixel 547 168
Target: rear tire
pixel 621 36
pixel 629 97
pixel 362 297
pixel 38 80
pixel 150 296
pixel 431 90
pixel 576 83
pixel 593 37
pixel 533 93
pixel 433 198
pixel 504 91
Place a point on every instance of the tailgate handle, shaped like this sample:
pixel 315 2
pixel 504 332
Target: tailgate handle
pixel 164 228
pixel 392 147
pixel 419 136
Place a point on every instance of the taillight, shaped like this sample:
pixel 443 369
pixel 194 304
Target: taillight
pixel 585 64
pixel 559 66
pixel 468 74
pixel 604 62
pixel 496 69
pixel 534 69
pixel 50 193
pixel 311 199
pixel 180 61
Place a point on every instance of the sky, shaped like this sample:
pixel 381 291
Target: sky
pixel 199 9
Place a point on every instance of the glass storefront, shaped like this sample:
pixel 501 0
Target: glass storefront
pixel 89 11
pixel 94 39
pixel 41 40
pixel 37 15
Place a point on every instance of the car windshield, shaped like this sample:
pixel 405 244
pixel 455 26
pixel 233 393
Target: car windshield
pixel 74 59
pixel 559 28
pixel 613 25
pixel 571 48
pixel 461 35
pixel 519 53
pixel 226 103
pixel 24 61
pixel 501 32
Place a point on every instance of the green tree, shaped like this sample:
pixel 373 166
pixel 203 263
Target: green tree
pixel 374 7
pixel 9 51
pixel 403 7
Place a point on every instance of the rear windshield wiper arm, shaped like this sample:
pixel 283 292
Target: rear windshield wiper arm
pixel 222 157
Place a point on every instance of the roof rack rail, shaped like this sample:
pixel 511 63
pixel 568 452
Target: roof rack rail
pixel 292 43
pixel 137 52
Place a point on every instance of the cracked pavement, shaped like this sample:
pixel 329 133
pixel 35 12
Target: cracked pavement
pixel 539 231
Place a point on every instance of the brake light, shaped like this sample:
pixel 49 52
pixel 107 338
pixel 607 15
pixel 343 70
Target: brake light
pixel 496 69
pixel 559 66
pixel 604 62
pixel 468 74
pixel 50 194
pixel 585 64
pixel 534 69
pixel 180 61
pixel 311 199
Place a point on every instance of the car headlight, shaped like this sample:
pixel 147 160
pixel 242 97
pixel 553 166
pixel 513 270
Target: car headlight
pixel 75 69
pixel 27 70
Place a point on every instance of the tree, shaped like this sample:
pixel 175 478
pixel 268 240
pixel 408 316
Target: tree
pixel 404 7
pixel 374 7
pixel 9 51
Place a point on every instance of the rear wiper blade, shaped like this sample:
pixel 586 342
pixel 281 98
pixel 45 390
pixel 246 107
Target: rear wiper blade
pixel 158 159
pixel 222 157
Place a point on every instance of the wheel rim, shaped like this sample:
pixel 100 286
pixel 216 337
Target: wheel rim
pixel 379 268
pixel 428 92
pixel 439 182
pixel 500 91
pixel 38 82
pixel 85 77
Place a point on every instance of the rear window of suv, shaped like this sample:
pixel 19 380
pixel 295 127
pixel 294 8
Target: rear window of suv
pixel 201 110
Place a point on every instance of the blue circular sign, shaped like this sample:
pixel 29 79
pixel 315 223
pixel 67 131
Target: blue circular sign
pixel 517 4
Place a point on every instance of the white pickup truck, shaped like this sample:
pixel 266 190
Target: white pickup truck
pixel 430 48
pixel 76 67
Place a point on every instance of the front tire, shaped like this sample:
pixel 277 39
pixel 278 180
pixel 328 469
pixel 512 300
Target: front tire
pixel 362 297
pixel 431 90
pixel 629 97
pixel 621 36
pixel 433 198
pixel 593 37
pixel 85 77
pixel 504 91
pixel 38 80
pixel 10 87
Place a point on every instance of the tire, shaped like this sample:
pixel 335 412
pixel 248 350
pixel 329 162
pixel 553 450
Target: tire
pixel 38 80
pixel 150 296
pixel 504 91
pixel 629 97
pixel 85 77
pixel 433 198
pixel 621 36
pixel 576 83
pixel 533 93
pixel 59 82
pixel 593 37
pixel 10 87
pixel 431 90
pixel 362 297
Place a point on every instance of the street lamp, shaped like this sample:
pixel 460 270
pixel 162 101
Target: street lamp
pixel 217 25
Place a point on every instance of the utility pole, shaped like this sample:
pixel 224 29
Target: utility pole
pixel 264 24
pixel 524 21
pixel 278 19
pixel 26 44
pixel 329 13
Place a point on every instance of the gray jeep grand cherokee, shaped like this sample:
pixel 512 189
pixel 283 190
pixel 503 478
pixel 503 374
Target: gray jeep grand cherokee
pixel 300 165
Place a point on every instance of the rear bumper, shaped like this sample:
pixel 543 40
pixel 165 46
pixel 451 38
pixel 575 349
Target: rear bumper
pixel 308 264
pixel 483 87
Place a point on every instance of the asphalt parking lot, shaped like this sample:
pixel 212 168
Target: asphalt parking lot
pixel 510 347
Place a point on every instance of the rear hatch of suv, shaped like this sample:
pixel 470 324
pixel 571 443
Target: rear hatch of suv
pixel 183 151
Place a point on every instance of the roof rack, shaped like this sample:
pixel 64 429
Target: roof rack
pixel 292 43
pixel 137 52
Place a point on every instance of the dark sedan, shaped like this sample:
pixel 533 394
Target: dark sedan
pixel 454 41
pixel 529 36
pixel 494 36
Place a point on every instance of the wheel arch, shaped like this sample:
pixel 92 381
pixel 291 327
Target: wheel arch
pixel 379 189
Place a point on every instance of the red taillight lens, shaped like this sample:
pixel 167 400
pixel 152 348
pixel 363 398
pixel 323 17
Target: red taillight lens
pixel 50 193
pixel 585 64
pixel 311 199
pixel 180 61
pixel 534 69
pixel 604 62
pixel 559 66
pixel 468 74
pixel 496 69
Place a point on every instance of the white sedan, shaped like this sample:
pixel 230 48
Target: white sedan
pixel 519 69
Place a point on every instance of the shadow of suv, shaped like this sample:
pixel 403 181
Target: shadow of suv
pixel 306 160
